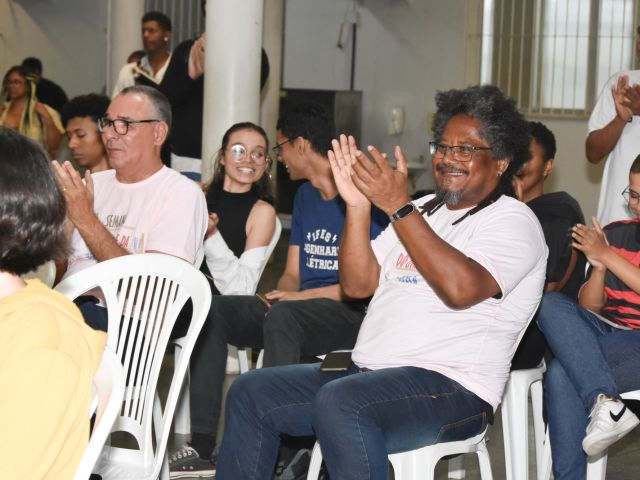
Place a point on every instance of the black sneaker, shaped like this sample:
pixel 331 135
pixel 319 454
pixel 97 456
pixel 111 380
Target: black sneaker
pixel 186 463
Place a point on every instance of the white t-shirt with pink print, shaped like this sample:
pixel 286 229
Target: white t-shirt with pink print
pixel 408 325
pixel 166 212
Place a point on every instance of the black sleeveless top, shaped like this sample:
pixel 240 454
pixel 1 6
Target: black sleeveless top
pixel 233 211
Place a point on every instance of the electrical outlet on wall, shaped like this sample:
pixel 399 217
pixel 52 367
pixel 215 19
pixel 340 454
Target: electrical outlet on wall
pixel 396 121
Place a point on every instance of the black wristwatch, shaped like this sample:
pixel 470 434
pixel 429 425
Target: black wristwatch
pixel 403 212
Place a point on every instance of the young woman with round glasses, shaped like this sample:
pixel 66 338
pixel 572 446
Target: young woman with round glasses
pixel 241 214
pixel 242 221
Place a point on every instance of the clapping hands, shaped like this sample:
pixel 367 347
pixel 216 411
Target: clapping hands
pixel 361 179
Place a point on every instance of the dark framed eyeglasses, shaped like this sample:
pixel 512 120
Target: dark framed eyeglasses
pixel 120 125
pixel 462 153
pixel 630 196
pixel 238 153
pixel 278 148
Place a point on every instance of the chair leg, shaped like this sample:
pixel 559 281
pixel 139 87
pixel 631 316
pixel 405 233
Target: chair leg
pixel 233 361
pixel 484 461
pixel 538 424
pixel 243 359
pixel 164 472
pixel 597 467
pixel 260 359
pixel 182 417
pixel 544 468
pixel 413 465
pixel 315 463
pixel 515 427
pixel 456 468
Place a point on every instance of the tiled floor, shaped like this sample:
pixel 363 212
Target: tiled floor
pixel 624 456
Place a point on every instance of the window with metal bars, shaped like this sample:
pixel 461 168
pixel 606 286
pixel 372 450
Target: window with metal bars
pixel 553 57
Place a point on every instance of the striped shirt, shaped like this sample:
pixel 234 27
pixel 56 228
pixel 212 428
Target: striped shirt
pixel 623 304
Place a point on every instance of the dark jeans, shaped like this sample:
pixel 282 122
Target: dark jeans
pixel 358 417
pixel 94 315
pixel 287 331
pixel 591 358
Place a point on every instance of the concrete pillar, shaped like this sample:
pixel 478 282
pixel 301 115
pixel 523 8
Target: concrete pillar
pixel 232 71
pixel 123 35
pixel 272 37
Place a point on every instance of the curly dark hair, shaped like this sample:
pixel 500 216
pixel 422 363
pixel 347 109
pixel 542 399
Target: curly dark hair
pixel 158 17
pixel 262 187
pixel 32 208
pixel 545 138
pixel 501 125
pixel 91 105
pixel 309 121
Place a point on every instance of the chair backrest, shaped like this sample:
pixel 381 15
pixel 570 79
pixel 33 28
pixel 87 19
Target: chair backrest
pixel 272 243
pixel 144 294
pixel 46 273
pixel 108 391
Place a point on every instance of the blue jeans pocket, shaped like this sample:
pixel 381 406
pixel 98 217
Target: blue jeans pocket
pixel 463 429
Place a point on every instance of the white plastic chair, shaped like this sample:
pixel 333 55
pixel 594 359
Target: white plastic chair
pixel 515 421
pixel 108 391
pixel 144 294
pixel 237 358
pixel 420 464
pixel 46 273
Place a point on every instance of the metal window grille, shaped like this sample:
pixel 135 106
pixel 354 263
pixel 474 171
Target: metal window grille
pixel 554 56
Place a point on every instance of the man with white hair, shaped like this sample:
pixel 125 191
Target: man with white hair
pixel 139 206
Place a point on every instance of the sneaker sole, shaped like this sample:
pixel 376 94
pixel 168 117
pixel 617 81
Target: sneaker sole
pixel 600 443
pixel 202 474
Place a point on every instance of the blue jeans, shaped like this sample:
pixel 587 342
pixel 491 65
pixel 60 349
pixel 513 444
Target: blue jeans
pixel 591 358
pixel 359 417
pixel 287 331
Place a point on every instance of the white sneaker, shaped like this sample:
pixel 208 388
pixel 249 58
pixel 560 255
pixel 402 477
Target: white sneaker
pixel 610 421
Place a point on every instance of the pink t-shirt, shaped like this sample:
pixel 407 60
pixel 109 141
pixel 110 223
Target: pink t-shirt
pixel 408 325
pixel 166 212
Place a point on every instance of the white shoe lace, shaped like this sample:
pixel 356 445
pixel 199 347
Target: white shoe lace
pixel 600 418
pixel 185 452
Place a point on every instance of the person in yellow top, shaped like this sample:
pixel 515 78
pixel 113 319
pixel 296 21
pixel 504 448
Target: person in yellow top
pixel 48 355
pixel 21 111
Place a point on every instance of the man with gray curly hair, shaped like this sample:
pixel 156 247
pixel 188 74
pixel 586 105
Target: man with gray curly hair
pixel 454 278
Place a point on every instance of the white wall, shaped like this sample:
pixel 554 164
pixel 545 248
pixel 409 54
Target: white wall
pixel 67 35
pixel 572 172
pixel 399 61
pixel 406 51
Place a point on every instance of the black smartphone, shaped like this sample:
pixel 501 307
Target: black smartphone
pixel 336 362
